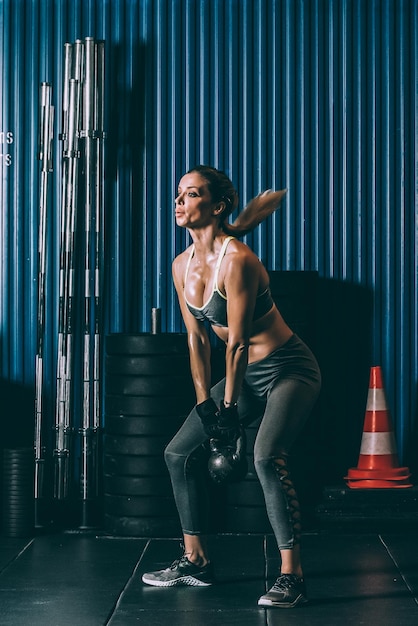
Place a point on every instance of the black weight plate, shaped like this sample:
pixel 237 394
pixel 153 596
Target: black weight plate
pixel 158 365
pixel 14 496
pixel 19 465
pixel 141 446
pixel 145 343
pixel 139 506
pixel 143 425
pixel 142 405
pixel 251 467
pixel 119 465
pixel 251 436
pixel 18 492
pixel 14 503
pixel 19 520
pixel 18 452
pixel 18 499
pixel 148 385
pixel 20 481
pixel 17 528
pixel 19 516
pixel 22 477
pixel 26 521
pixel 19 471
pixel 246 493
pixel 14 482
pixel 18 532
pixel 19 513
pixel 247 520
pixel 142 526
pixel 14 464
pixel 137 485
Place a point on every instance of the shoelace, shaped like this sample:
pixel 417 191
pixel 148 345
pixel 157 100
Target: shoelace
pixel 177 562
pixel 285 582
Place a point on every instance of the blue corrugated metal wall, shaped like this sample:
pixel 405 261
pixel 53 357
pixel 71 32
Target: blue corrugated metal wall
pixel 319 96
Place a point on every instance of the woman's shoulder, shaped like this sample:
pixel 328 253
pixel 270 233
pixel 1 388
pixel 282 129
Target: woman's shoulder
pixel 182 256
pixel 240 258
pixel 240 251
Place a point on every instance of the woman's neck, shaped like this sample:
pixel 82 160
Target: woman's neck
pixel 207 239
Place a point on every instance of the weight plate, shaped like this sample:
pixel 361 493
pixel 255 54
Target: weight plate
pixel 159 365
pixel 246 493
pixel 18 511
pixel 17 481
pixel 141 446
pixel 119 465
pixel 142 405
pixel 148 385
pixel 17 527
pixel 25 516
pixel 137 485
pixel 140 506
pixel 247 520
pixel 18 465
pixel 145 343
pixel 17 452
pixel 18 532
pixel 21 491
pixel 15 496
pixel 142 526
pixel 143 425
pixel 20 515
pixel 251 437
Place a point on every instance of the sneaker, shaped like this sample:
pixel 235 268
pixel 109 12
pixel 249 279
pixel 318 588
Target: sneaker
pixel 181 572
pixel 288 591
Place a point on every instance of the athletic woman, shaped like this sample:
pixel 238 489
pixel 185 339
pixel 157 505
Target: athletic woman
pixel 270 373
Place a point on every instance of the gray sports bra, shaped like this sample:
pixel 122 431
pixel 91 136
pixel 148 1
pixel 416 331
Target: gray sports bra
pixel 214 310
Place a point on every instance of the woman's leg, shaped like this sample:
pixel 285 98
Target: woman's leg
pixel 289 404
pixel 186 458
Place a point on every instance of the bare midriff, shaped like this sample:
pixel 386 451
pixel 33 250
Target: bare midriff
pixel 267 334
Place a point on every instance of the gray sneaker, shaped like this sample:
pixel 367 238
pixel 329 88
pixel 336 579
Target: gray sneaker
pixel 287 592
pixel 181 572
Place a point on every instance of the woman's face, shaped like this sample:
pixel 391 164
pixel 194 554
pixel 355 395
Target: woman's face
pixel 194 207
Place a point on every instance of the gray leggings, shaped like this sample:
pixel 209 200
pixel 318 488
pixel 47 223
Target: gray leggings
pixel 282 388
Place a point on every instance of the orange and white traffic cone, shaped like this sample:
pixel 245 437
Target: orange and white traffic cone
pixel 378 465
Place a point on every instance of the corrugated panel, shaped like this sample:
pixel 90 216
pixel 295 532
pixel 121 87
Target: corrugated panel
pixel 318 96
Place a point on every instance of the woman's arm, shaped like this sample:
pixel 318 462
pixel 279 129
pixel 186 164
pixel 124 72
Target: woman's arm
pixel 198 339
pixel 241 286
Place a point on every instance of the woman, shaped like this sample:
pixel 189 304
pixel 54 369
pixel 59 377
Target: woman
pixel 270 372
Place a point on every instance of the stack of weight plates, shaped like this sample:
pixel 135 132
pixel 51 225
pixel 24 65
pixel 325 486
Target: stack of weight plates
pixel 148 394
pixel 18 492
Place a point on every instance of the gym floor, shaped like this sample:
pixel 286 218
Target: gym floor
pixel 86 578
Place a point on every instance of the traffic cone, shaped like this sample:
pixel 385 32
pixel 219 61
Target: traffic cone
pixel 378 465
